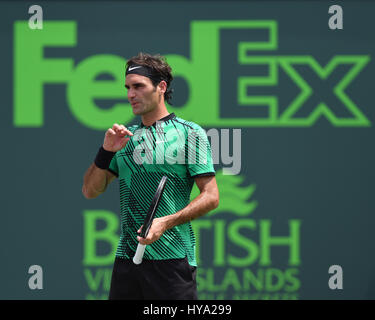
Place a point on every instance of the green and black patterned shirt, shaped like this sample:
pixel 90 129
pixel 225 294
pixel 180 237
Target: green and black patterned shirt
pixel 173 147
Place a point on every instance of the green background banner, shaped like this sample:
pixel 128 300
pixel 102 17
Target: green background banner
pixel 270 77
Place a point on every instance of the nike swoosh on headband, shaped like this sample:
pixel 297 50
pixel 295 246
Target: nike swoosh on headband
pixel 132 68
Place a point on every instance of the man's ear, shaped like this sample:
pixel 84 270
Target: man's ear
pixel 163 86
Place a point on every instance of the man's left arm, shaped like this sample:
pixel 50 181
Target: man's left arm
pixel 207 200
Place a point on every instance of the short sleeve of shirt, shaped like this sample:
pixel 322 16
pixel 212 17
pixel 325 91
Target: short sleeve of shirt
pixel 113 167
pixel 198 150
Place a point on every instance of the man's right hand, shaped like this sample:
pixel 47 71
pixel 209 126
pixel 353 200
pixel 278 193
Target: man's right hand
pixel 116 138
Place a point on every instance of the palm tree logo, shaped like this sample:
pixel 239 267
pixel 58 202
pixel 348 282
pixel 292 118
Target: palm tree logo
pixel 234 198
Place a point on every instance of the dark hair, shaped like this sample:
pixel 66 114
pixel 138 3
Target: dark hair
pixel 159 64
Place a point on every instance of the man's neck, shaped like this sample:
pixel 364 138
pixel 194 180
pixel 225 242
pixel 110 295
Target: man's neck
pixel 151 117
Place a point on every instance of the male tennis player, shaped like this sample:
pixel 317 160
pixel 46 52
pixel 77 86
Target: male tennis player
pixel 168 270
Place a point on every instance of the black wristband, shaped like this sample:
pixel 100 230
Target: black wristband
pixel 103 158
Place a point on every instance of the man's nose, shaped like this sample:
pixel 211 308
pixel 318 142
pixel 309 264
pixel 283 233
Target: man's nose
pixel 131 94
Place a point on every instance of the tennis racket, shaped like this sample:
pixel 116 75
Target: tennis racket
pixel 148 220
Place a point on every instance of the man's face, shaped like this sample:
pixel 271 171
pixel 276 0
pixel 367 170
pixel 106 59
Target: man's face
pixel 142 94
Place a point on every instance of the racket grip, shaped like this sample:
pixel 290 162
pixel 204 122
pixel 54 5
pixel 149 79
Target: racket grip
pixel 139 253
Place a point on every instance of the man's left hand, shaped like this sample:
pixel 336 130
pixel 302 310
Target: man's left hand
pixel 157 229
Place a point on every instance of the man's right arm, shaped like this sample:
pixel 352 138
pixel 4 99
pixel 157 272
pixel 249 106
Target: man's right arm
pixel 97 177
pixel 95 181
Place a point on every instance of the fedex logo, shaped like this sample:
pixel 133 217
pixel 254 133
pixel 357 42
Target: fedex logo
pixel 230 84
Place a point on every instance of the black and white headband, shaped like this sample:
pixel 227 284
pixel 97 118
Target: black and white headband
pixel 145 71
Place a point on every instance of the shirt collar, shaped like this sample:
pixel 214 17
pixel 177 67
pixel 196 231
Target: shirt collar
pixel 164 119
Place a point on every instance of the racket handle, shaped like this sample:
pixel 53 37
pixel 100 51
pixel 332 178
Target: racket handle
pixel 139 253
